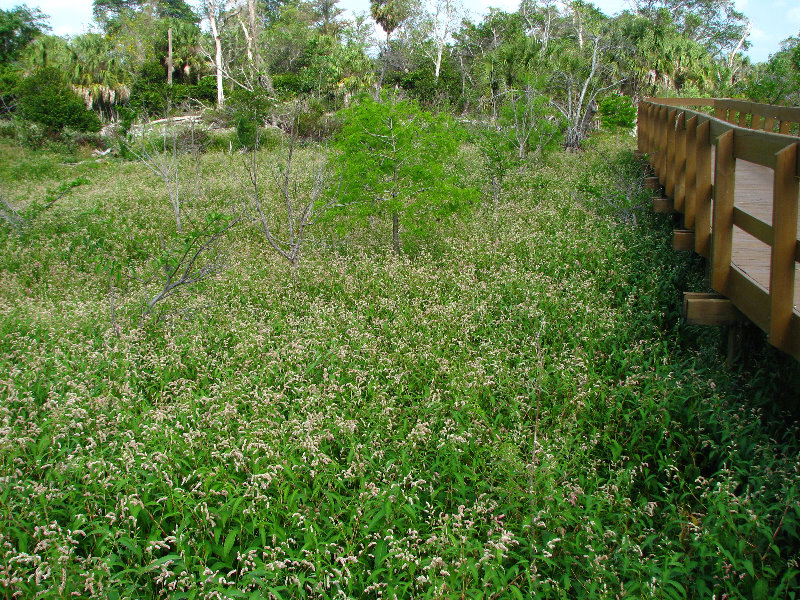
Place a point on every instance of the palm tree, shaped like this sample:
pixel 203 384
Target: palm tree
pixel 96 73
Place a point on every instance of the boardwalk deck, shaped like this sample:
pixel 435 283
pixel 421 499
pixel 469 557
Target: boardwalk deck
pixel 753 195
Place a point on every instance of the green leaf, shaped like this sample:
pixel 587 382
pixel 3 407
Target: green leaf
pixel 229 541
pixel 760 590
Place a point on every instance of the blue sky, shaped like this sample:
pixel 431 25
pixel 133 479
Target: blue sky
pixel 772 20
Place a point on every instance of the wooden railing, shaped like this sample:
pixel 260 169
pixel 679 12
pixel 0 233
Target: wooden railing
pixel 694 155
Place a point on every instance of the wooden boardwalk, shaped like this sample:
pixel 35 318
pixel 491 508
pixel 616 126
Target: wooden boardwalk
pixel 731 169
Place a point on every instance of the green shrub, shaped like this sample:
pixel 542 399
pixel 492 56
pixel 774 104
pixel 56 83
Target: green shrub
pixel 246 132
pixel 288 85
pixel 46 98
pixel 9 82
pixel 617 112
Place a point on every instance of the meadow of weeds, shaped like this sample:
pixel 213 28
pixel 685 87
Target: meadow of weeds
pixel 460 421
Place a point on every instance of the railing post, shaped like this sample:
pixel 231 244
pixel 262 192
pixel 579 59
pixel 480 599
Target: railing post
pixel 703 190
pixel 784 225
pixel 679 193
pixel 661 171
pixel 690 174
pixel 669 185
pixel 743 119
pixel 722 224
pixel 655 136
pixel 641 124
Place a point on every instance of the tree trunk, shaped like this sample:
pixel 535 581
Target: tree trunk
pixel 169 56
pixel 396 232
pixel 212 19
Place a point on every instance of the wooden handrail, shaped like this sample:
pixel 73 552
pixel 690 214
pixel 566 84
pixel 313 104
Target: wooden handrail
pixel 750 115
pixel 681 143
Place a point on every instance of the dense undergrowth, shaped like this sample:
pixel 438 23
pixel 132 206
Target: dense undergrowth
pixel 459 422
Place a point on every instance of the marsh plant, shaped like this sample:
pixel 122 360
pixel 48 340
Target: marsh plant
pixel 534 422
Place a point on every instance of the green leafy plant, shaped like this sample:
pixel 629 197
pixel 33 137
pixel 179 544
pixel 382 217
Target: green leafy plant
pixel 396 161
pixel 46 98
pixel 617 112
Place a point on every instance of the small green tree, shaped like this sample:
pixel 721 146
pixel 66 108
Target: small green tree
pixel 617 112
pixel 46 98
pixel 396 161
pixel 499 156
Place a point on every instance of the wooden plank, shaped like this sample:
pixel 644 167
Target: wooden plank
pixel 690 176
pixel 784 127
pixel 722 219
pixel 683 240
pixel 769 124
pixel 755 123
pixel 755 227
pixel 704 190
pixel 682 101
pixel 784 224
pixel 757 148
pixel 782 113
pixel 709 310
pixel 749 297
pixel 679 192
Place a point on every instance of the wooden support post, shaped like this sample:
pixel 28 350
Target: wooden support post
pixel 784 127
pixel 703 191
pixel 683 240
pixel 663 206
pixel 679 192
pixel 722 228
pixel 690 175
pixel 769 124
pixel 756 122
pixel 651 183
pixel 784 225
pixel 709 309
pixel 735 335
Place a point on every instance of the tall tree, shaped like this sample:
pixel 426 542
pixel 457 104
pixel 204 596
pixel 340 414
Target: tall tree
pixel 716 24
pixel 107 12
pixel 390 14
pixel 439 20
pixel 18 27
pixel 212 10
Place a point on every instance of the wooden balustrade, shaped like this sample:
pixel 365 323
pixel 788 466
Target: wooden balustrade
pixel 697 157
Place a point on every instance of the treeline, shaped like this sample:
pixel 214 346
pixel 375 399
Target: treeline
pixel 150 58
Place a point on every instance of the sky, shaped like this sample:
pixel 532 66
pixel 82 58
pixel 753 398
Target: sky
pixel 772 20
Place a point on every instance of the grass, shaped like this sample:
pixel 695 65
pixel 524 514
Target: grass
pixel 457 422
